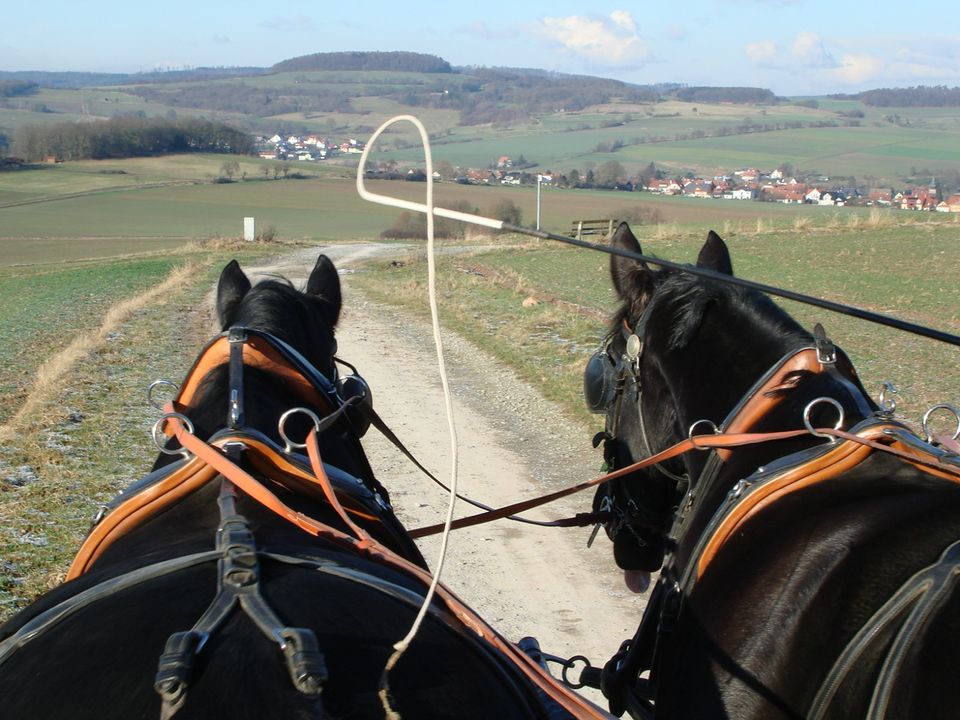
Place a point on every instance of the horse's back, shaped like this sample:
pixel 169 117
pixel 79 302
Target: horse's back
pixel 100 660
pixel 827 577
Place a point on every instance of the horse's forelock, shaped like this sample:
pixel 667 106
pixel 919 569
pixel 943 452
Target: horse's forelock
pixel 277 307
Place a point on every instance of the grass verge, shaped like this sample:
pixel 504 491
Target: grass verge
pixel 88 435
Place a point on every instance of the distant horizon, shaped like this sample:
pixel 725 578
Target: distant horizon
pixel 455 68
pixel 792 47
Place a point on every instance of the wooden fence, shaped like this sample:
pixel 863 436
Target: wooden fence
pixel 582 228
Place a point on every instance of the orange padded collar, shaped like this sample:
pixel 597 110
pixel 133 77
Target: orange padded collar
pixel 840 458
pixel 257 352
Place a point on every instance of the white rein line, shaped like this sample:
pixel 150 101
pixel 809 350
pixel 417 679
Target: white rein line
pixel 401 646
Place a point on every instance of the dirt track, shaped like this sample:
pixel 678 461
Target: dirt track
pixel 513 444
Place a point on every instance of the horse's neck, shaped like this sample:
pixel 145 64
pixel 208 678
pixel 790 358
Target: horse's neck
pixel 713 478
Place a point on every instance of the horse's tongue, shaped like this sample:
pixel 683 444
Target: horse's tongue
pixel 637 580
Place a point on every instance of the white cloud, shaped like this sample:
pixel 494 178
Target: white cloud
pixel 763 52
pixel 624 19
pixel 856 69
pixel 611 40
pixel 808 49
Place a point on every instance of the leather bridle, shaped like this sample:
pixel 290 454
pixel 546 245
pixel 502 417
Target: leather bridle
pixel 625 510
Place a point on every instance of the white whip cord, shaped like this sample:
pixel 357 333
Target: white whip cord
pixel 429 209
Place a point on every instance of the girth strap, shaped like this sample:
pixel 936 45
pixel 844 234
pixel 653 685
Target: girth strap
pixel 238 583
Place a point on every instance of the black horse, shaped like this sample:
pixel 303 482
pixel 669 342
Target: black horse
pixel 227 583
pixel 803 577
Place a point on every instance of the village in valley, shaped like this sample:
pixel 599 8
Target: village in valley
pixel 776 185
pixel 307 148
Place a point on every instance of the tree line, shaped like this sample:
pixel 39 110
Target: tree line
pixel 394 61
pixel 741 95
pixel 248 99
pixel 919 96
pixel 122 137
pixel 17 88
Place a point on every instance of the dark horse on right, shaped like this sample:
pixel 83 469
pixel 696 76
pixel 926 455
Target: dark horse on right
pixel 806 576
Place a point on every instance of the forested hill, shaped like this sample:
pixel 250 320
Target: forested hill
pixel 395 61
pixel 920 96
pixel 741 95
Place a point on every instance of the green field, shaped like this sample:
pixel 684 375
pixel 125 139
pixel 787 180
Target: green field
pixel 173 199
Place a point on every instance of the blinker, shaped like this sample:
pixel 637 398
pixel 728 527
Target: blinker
pixel 355 386
pixel 599 382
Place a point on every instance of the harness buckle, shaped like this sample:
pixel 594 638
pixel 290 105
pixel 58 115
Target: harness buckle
pixel 826 350
pixel 175 667
pixel 306 663
pixel 606 505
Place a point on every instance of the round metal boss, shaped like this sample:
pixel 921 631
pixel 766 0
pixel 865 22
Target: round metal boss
pixel 634 347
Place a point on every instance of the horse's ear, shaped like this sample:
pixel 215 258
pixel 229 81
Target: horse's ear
pixel 231 289
pixel 714 255
pixel 631 278
pixel 324 284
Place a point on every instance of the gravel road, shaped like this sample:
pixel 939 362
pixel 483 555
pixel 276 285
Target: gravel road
pixel 513 444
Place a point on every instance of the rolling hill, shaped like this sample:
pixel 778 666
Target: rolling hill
pixel 556 122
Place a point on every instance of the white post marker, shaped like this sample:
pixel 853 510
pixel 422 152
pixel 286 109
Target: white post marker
pixel 539 181
pixel 249 234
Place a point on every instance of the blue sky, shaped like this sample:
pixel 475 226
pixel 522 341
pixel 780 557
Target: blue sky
pixel 790 46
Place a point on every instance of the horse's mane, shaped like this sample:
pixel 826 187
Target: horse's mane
pixel 679 302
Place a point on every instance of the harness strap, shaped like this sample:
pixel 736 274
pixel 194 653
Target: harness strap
pixel 132 512
pixel 697 442
pixel 237 338
pixel 912 606
pixel 570 700
pixel 578 520
pixel 75 603
pixel 257 490
pixel 238 583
